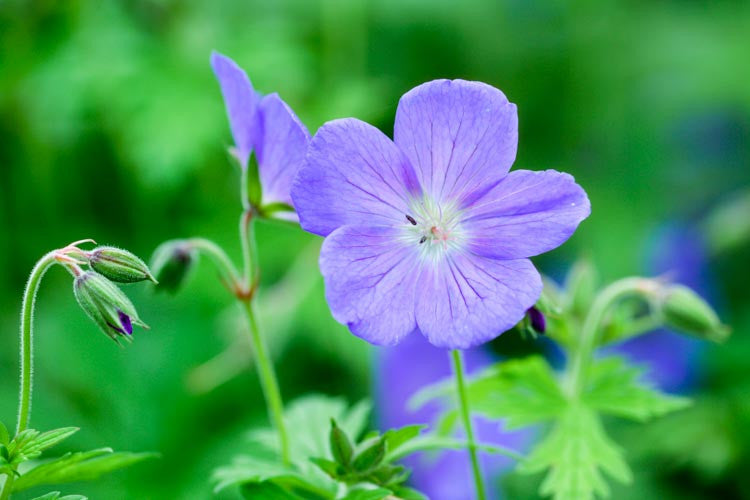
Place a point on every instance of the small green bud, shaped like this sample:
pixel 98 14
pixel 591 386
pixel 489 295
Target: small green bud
pixel 119 265
pixel 686 311
pixel 171 263
pixel 106 305
pixel 341 447
pixel 370 457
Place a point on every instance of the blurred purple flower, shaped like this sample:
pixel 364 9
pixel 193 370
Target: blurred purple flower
pixel 264 124
pixel 429 232
pixel 679 251
pixel 405 369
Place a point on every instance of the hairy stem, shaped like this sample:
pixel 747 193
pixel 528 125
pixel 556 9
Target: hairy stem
pixel 27 339
pixel 268 381
pixel 592 324
pixel 463 405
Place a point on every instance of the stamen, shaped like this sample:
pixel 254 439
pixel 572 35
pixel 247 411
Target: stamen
pixel 422 239
pixel 411 219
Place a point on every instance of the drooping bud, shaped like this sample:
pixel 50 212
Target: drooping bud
pixel 536 320
pixel 686 311
pixel 172 262
pixel 106 305
pixel 119 265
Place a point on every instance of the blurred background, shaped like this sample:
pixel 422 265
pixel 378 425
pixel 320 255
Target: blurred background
pixel 113 128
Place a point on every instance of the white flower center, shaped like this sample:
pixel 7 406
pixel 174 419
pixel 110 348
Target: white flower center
pixel 436 228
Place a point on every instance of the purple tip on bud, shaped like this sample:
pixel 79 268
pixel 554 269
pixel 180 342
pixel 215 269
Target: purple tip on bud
pixel 538 323
pixel 127 325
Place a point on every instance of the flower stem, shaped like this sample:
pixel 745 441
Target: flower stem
pixel 268 381
pixel 220 259
pixel 463 405
pixel 8 486
pixel 265 367
pixel 27 339
pixel 592 324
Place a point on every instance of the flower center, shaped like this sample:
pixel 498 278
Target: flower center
pixel 435 228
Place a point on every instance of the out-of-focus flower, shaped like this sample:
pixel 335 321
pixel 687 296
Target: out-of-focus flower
pixel 429 232
pixel 402 371
pixel 265 125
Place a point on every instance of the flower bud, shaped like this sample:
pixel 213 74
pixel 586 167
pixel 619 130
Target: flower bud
pixel 119 265
pixel 106 305
pixel 686 311
pixel 171 263
pixel 536 320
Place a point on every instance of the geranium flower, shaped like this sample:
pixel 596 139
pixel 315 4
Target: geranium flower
pixel 429 232
pixel 265 125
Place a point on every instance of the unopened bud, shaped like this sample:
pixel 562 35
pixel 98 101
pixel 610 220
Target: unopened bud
pixel 536 320
pixel 106 305
pixel 119 265
pixel 171 263
pixel 686 311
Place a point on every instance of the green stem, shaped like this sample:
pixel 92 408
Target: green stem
pixel 463 405
pixel 584 352
pixel 219 257
pixel 265 367
pixel 7 487
pixel 27 338
pixel 268 381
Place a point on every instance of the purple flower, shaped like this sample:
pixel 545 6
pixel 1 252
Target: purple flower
pixel 429 232
pixel 265 125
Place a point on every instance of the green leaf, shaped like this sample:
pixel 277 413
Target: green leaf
pixel 396 437
pixel 371 456
pixel 328 466
pixel 79 466
pixel 367 494
pixel 4 436
pixel 341 447
pixel 404 493
pixel 575 454
pixel 435 442
pixel 267 490
pixel 387 475
pixel 55 495
pixel 614 389
pixel 523 391
pixel 34 446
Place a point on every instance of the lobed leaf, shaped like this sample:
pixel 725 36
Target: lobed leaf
pixel 574 455
pixel 39 442
pixel 522 391
pixel 614 388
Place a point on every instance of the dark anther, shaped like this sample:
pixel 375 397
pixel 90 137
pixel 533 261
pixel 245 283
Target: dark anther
pixel 411 219
pixel 422 239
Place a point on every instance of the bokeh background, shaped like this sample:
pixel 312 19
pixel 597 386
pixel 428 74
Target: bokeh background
pixel 113 128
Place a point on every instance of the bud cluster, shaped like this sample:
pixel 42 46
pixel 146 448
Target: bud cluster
pixel 95 289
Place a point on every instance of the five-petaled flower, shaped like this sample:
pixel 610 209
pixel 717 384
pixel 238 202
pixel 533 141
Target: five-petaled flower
pixel 264 125
pixel 429 232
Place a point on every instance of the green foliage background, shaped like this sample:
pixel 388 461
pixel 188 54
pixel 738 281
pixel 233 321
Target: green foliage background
pixel 112 127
